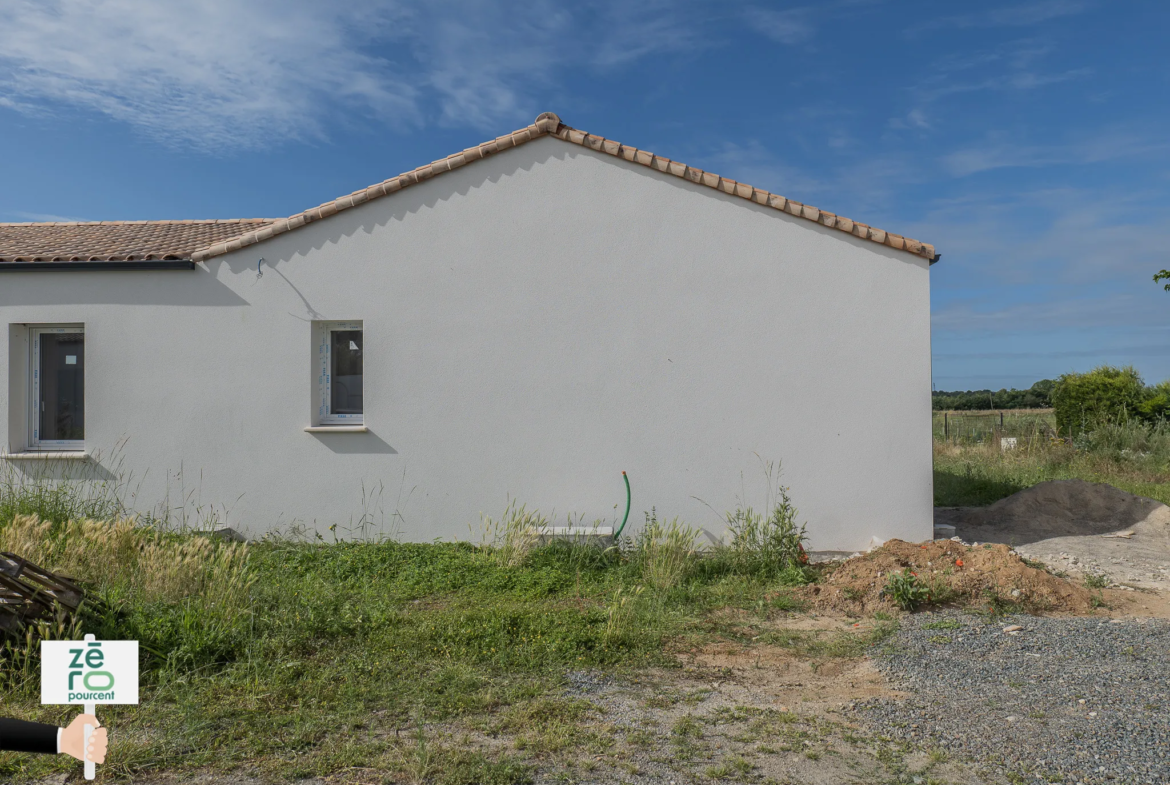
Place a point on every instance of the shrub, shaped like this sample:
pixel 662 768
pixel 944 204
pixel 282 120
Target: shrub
pixel 1096 581
pixel 1106 395
pixel 906 590
pixel 768 547
pixel 1155 408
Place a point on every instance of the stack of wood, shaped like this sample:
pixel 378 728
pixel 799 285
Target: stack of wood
pixel 31 593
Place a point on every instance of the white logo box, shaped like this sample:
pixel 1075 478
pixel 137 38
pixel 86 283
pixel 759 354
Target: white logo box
pixel 93 672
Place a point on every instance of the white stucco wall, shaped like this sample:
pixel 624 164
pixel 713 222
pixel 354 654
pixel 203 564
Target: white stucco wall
pixel 534 324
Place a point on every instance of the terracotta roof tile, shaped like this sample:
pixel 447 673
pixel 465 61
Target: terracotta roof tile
pixel 549 124
pixel 202 240
pixel 117 240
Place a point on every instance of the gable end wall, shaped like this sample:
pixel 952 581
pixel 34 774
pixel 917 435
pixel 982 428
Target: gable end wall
pixel 535 323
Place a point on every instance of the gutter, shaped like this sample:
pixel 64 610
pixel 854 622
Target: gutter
pixel 145 264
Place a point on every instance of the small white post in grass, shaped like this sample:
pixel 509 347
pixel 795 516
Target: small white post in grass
pixel 89 672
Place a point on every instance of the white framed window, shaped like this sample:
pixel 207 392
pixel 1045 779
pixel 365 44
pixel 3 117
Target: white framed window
pixel 340 367
pixel 56 387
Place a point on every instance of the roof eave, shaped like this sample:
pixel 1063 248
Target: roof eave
pixel 143 264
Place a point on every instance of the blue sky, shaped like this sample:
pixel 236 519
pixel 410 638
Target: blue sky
pixel 1027 141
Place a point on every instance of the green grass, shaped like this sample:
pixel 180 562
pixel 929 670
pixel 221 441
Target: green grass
pixel 1128 457
pixel 975 427
pixel 361 656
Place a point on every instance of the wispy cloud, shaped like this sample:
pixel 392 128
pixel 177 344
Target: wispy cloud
pixel 1113 310
pixel 999 154
pixel 1012 66
pixel 793 26
pixel 915 118
pixel 205 74
pixel 225 76
pixel 944 85
pixel 752 162
pixel 1010 15
pixel 488 62
pixel 20 215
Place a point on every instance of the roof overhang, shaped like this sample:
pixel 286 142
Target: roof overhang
pixel 549 124
pixel 60 267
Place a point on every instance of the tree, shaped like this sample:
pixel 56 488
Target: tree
pixel 1163 275
pixel 1104 395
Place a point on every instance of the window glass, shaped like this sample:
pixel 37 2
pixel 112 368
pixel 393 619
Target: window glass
pixel 62 386
pixel 345 391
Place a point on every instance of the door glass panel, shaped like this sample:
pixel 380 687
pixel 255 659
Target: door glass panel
pixel 345 351
pixel 62 380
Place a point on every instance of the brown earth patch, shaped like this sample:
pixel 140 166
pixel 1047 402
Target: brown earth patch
pixel 790 681
pixel 988 574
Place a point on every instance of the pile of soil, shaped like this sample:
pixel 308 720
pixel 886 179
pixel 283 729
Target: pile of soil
pixel 971 575
pixel 1072 525
pixel 1060 508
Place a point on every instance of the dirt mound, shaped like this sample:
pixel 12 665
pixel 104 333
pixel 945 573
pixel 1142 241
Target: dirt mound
pixel 1061 508
pixel 961 574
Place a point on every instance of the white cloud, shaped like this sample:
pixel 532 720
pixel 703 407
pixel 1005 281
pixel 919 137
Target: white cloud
pixel 220 76
pixel 1004 154
pixel 786 27
pixel 199 72
pixel 487 62
pixel 915 118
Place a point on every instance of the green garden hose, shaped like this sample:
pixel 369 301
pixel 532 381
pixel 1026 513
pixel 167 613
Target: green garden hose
pixel 618 533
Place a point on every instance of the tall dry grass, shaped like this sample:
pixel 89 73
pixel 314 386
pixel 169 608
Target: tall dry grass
pixel 512 537
pixel 665 552
pixel 123 559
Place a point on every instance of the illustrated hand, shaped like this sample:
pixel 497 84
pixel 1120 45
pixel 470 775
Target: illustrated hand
pixel 73 739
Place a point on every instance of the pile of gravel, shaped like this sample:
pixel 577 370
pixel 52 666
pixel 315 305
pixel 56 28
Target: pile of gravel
pixel 1061 700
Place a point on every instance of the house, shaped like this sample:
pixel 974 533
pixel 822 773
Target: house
pixel 522 320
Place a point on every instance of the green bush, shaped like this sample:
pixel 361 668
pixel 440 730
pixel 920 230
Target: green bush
pixel 771 547
pixel 906 590
pixel 1106 395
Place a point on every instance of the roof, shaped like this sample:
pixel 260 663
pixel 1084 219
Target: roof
pixel 93 241
pixel 203 240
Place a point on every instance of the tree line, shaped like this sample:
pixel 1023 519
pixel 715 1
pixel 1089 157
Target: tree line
pixel 1038 396
pixel 1082 402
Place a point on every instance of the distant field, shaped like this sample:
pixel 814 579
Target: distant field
pixel 982 427
pixel 972 468
pixel 968 471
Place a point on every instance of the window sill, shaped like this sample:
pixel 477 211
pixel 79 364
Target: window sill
pixel 72 455
pixel 337 429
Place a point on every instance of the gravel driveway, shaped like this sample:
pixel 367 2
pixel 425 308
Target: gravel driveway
pixel 1062 700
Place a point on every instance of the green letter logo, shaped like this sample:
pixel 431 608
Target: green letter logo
pixel 89 675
